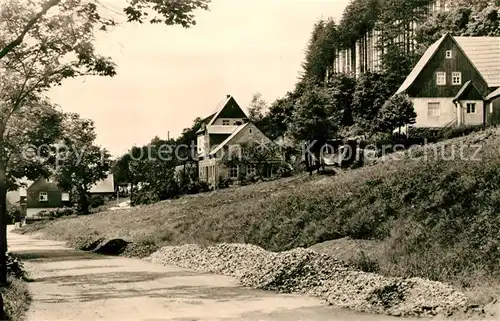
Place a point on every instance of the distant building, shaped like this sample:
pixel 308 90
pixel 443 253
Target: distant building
pixel 44 194
pixel 228 126
pixel 456 82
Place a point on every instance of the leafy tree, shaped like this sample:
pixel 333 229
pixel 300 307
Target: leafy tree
pixel 121 171
pixel 485 22
pixel 396 112
pixel 340 88
pixel 261 155
pixel 79 162
pixel 23 127
pixel 61 35
pixel 278 117
pixel 27 19
pixel 311 118
pixel 370 94
pixel 463 19
pixel 152 171
pixel 257 108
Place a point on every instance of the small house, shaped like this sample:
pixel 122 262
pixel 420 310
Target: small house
pixel 456 82
pixel 226 130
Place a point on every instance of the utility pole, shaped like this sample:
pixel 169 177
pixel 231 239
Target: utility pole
pixel 168 135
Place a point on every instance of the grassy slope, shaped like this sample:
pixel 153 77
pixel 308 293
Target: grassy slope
pixel 432 218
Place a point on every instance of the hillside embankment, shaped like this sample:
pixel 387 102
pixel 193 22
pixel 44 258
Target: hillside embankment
pixel 428 213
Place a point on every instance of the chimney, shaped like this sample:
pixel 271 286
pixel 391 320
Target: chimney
pixel 228 96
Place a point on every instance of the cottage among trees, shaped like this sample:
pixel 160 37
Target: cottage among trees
pixel 456 82
pixel 224 133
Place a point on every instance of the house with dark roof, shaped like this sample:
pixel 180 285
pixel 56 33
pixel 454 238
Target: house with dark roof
pixel 44 194
pixel 456 82
pixel 228 127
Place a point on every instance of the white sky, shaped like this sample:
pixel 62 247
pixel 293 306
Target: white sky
pixel 168 76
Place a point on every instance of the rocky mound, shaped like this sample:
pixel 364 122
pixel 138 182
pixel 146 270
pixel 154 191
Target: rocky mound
pixel 306 271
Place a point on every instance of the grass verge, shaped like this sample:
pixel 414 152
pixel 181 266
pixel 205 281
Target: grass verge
pixel 16 299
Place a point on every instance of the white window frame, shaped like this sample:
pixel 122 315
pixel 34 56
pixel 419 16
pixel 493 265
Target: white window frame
pixel 441 78
pixel 431 112
pixel 456 75
pixel 449 54
pixel 225 122
pixel 469 111
pixel 43 197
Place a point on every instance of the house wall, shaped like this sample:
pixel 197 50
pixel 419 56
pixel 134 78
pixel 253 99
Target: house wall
pixel 232 121
pixel 208 171
pixel 447 112
pixel 493 112
pixel 425 84
pixel 42 185
pixel 202 144
pixel 471 119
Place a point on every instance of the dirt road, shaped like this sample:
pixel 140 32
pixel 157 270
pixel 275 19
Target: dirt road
pixel 74 285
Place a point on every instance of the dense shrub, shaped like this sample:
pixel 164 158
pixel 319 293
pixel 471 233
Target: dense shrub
pixel 14 212
pixel 15 267
pixel 432 135
pixel 195 187
pixel 284 170
pixel 52 214
pixel 96 201
pixel 143 196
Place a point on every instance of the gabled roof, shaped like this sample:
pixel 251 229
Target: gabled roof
pixel 464 88
pixel 213 116
pixel 107 185
pixel 219 108
pixel 426 57
pixel 483 53
pixel 227 140
pixel 494 94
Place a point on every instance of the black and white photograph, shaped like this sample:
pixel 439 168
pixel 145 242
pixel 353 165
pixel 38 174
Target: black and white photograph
pixel 264 160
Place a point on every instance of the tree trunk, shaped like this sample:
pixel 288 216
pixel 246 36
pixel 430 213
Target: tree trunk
pixel 3 233
pixel 83 201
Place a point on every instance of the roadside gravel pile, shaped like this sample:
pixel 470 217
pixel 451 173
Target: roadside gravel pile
pixel 308 272
pixel 134 250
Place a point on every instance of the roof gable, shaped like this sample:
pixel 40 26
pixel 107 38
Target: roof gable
pixel 229 109
pixel 483 53
pixel 468 91
pixel 424 60
pixel 234 135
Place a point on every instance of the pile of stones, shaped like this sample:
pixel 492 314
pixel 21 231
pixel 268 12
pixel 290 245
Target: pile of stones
pixel 308 272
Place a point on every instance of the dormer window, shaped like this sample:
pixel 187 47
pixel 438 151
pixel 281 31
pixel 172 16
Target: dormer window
pixel 449 54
